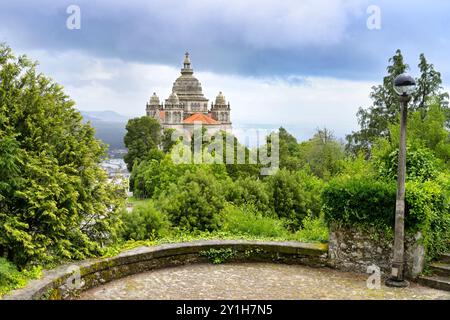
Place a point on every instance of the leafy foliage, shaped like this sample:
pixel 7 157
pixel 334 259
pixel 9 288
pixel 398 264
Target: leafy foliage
pixel 218 256
pixel 314 229
pixel 194 202
pixel 143 223
pixel 11 278
pixel 368 202
pixel 250 192
pixel 153 176
pixel 295 195
pixel 375 120
pixel 420 164
pixel 55 199
pixel 361 199
pixel 322 154
pixel 143 134
pixel 238 220
pixel 428 211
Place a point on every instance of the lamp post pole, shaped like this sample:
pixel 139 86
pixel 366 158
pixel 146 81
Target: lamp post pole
pixel 404 88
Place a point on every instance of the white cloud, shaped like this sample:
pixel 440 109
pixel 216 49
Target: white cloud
pixel 124 87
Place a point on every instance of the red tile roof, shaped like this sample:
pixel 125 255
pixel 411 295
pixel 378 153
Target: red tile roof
pixel 200 117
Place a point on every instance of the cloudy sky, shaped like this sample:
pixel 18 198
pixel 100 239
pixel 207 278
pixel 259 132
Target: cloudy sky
pixel 302 64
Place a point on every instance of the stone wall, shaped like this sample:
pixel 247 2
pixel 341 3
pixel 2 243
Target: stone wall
pixel 55 283
pixel 351 249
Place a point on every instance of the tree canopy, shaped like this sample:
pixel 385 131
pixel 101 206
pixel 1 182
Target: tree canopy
pixel 54 198
pixel 374 121
pixel 143 135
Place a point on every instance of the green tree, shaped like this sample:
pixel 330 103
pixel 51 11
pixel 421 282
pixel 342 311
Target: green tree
pixel 322 154
pixel 374 121
pixel 429 88
pixel 289 151
pixel 430 131
pixel 166 140
pixel 428 143
pixel 143 135
pixel 55 199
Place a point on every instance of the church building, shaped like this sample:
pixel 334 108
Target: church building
pixel 187 105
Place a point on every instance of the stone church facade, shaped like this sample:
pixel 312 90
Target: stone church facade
pixel 186 106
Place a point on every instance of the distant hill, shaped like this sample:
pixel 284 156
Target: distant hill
pixel 109 127
pixel 110 116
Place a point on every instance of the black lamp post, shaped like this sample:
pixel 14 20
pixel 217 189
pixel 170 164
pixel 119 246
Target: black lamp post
pixel 404 86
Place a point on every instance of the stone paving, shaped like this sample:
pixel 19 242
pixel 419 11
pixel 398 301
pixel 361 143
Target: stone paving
pixel 253 281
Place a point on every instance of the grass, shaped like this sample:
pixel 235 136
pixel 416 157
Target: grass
pixel 240 221
pixel 136 201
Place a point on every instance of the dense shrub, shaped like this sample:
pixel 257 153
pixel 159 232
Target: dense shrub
pixel 247 221
pixel 421 164
pixel 369 202
pixel 145 222
pixel 428 211
pixel 194 202
pixel 295 195
pixel 250 192
pixel 152 177
pixel 359 200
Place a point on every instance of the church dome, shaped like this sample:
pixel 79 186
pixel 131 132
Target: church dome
pixel 154 99
pixel 173 99
pixel 220 99
pixel 187 86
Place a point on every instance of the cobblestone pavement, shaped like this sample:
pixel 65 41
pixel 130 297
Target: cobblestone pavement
pixel 253 281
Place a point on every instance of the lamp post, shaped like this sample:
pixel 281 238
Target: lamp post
pixel 404 86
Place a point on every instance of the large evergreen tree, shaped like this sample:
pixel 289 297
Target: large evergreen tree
pixel 54 198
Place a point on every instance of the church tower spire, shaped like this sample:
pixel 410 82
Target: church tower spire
pixel 187 65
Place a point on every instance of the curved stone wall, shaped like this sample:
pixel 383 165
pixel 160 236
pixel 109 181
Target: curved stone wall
pixel 68 281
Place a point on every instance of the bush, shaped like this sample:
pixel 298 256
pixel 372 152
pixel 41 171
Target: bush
pixel 194 203
pixel 152 177
pixel 247 221
pixel 11 278
pixel 250 192
pixel 359 200
pixel 421 164
pixel 428 211
pixel 144 223
pixel 314 229
pixel 368 202
pixel 295 195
